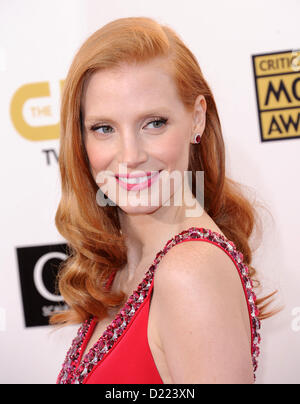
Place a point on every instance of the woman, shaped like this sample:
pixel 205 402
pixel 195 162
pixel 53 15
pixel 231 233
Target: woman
pixel 135 103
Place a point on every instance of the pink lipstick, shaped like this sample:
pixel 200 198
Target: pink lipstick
pixel 137 182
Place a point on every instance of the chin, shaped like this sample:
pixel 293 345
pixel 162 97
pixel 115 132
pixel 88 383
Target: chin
pixel 139 210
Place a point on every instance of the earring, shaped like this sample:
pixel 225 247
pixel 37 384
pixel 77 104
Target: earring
pixel 197 138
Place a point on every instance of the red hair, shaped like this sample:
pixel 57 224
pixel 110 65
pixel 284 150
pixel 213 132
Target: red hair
pixel 96 245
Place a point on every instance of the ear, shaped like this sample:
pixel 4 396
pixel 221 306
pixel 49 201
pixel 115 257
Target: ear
pixel 199 115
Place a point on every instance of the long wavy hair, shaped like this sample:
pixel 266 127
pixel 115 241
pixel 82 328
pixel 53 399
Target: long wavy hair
pixel 93 233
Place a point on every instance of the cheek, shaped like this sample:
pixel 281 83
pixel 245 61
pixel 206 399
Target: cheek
pixel 175 149
pixel 99 156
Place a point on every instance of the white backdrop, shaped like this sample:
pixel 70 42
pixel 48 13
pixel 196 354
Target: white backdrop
pixel 38 40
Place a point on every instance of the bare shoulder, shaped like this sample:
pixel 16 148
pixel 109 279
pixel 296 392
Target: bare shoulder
pixel 201 301
pixel 198 261
pixel 205 271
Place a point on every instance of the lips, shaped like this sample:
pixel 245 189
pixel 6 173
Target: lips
pixel 143 174
pixel 137 182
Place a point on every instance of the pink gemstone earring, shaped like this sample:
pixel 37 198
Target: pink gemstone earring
pixel 197 138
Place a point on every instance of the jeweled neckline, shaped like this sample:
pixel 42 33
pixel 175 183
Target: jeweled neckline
pixel 75 372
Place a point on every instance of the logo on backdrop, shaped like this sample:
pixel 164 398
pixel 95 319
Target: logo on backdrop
pixel 38 268
pixel 34 112
pixel 277 82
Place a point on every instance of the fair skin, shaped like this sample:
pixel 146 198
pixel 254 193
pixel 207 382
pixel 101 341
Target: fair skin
pixel 118 109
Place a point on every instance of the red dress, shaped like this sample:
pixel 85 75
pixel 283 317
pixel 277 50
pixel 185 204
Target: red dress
pixel 122 354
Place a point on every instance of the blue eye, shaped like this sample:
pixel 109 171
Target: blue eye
pixel 96 128
pixel 160 120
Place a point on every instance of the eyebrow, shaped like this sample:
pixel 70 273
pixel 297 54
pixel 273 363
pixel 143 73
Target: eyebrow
pixel 156 111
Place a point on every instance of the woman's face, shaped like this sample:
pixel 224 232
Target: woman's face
pixel 134 122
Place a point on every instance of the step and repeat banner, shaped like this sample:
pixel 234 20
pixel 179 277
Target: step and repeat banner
pixel 249 54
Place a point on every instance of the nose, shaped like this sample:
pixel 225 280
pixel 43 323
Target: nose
pixel 132 151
